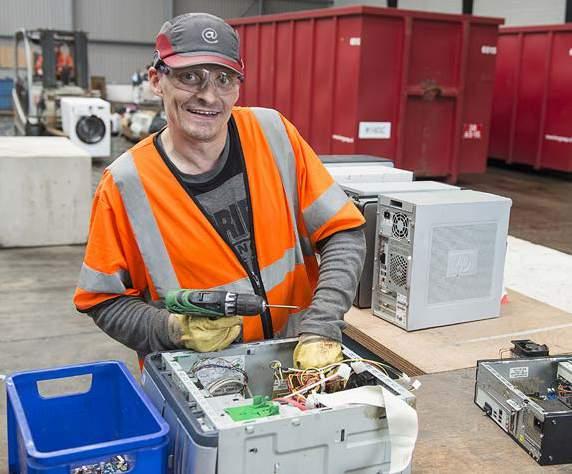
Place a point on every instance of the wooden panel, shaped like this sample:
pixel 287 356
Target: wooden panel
pixel 460 346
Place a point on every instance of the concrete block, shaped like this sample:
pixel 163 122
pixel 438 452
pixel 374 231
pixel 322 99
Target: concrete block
pixel 45 192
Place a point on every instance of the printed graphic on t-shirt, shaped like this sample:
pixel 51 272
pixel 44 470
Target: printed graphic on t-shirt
pixel 228 207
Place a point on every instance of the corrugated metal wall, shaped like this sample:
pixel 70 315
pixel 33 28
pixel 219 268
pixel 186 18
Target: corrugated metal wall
pixel 523 12
pixel 281 6
pixel 17 14
pixel 239 8
pixel 375 3
pixel 440 6
pixel 222 8
pixel 120 20
pixel 515 12
pixel 121 32
pixel 118 63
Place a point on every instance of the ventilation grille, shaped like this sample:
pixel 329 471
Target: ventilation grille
pixel 462 262
pixel 400 226
pixel 398 269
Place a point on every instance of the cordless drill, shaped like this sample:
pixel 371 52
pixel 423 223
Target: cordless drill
pixel 217 303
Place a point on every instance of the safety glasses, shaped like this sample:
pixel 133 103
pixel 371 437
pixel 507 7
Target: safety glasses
pixel 194 79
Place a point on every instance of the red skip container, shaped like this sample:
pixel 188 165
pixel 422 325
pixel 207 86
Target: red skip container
pixel 532 111
pixel 410 86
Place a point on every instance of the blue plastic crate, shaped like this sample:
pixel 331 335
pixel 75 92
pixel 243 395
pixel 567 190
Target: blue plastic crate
pixel 6 86
pixel 111 426
pixel 5 102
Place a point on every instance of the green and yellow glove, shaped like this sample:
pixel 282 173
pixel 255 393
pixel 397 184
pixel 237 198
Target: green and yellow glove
pixel 203 334
pixel 316 351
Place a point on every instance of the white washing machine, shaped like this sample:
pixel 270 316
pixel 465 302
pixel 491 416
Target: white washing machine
pixel 87 121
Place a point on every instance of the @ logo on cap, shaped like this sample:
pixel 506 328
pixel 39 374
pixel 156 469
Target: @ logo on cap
pixel 210 35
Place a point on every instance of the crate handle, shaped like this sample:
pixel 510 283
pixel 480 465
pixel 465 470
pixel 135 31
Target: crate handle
pixel 64 386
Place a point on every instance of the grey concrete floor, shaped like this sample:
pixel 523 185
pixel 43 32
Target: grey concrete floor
pixel 456 437
pixel 40 328
pixel 541 203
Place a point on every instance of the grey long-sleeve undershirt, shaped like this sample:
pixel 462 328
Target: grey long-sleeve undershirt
pixel 144 327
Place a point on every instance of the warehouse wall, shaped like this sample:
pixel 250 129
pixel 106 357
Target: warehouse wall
pixel 375 3
pixel 239 8
pixel 222 8
pixel 280 6
pixel 441 6
pixel 34 14
pixel 515 12
pixel 118 62
pixel 123 20
pixel 121 32
pixel 523 12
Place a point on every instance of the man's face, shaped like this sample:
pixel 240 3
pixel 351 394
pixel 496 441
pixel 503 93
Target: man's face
pixel 194 113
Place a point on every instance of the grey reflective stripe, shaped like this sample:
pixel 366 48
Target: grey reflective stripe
pixel 242 285
pixel 98 282
pixel 144 225
pixel 326 206
pixel 277 137
pixel 272 275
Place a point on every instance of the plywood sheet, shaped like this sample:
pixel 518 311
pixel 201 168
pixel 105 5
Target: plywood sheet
pixel 460 346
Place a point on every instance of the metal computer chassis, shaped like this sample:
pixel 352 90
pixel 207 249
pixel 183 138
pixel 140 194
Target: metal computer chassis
pixel 513 393
pixel 205 440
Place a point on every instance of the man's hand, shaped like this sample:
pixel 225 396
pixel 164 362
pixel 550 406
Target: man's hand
pixel 316 351
pixel 203 334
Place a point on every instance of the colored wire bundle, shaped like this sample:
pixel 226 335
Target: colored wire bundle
pixel 301 381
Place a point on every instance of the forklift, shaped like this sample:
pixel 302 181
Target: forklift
pixel 54 65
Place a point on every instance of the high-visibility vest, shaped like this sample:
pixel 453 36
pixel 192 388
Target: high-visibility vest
pixel 63 60
pixel 147 236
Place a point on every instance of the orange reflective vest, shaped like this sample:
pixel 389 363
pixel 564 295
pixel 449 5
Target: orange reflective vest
pixel 147 236
pixel 63 60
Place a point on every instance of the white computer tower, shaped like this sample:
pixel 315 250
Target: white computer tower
pixel 87 122
pixel 365 196
pixel 439 257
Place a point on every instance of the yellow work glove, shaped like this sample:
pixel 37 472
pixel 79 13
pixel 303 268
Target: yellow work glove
pixel 203 334
pixel 316 351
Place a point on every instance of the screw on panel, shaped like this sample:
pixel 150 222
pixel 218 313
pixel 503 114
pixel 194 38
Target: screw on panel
pixel 276 467
pixel 296 422
pixel 249 429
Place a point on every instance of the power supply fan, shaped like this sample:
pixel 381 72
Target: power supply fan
pixel 400 226
pixel 398 269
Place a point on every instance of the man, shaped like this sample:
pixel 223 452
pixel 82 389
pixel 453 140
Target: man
pixel 64 64
pixel 224 197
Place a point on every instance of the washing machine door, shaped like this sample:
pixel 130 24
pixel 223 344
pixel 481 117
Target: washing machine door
pixel 90 129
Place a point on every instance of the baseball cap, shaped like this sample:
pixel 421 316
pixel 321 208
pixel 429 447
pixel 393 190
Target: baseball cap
pixel 198 38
